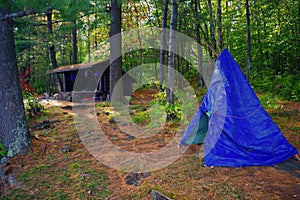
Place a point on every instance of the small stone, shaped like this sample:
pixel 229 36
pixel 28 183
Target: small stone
pixel 155 195
pixel 65 149
pixel 132 179
pixel 135 178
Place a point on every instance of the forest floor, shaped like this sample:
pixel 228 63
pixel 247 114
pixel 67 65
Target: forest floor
pixel 59 166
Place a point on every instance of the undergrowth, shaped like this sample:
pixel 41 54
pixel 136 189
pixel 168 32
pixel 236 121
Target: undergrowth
pixel 32 107
pixel 58 166
pixel 283 86
pixel 3 150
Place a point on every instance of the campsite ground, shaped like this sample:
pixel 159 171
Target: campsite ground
pixel 59 166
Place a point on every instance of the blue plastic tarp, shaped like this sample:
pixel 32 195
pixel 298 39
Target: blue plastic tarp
pixel 238 131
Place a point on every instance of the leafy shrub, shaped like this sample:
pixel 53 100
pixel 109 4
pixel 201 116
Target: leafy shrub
pixel 285 86
pixel 140 118
pixel 32 106
pixel 268 100
pixel 160 97
pixel 191 74
pixel 173 111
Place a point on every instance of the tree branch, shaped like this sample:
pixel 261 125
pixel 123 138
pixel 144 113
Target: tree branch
pixel 17 14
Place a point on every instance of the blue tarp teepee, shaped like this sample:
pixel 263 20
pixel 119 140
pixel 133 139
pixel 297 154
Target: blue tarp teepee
pixel 233 125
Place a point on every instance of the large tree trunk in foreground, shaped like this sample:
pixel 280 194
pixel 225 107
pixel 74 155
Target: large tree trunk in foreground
pixel 14 131
pixel 115 48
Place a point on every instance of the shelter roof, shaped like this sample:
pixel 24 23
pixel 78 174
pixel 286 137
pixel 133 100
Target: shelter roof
pixel 74 67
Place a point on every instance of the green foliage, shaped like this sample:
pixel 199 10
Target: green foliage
pixel 17 193
pixel 274 37
pixel 269 101
pixel 32 107
pixel 183 108
pixel 140 118
pixel 3 150
pixel 173 111
pixel 103 105
pixel 77 179
pixel 160 97
pixel 157 115
pixel 191 74
pixel 285 86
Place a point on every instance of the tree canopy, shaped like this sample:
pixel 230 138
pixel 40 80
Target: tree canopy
pixel 274 27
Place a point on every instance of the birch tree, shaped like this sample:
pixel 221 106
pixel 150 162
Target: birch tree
pixel 172 49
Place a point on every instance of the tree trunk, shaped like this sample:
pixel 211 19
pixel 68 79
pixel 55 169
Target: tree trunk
pixel 172 49
pixel 89 40
pixel 228 27
pixel 115 48
pixel 74 44
pixel 52 51
pixel 260 46
pixel 297 33
pixel 180 66
pixel 199 47
pixel 141 56
pixel 163 45
pixel 14 131
pixel 220 33
pixel 212 30
pixel 95 35
pixel 248 40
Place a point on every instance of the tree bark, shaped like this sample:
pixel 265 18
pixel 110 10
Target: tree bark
pixel 52 51
pixel 89 40
pixel 180 66
pixel 260 46
pixel 163 45
pixel 14 131
pixel 220 33
pixel 212 30
pixel 95 35
pixel 228 27
pixel 199 47
pixel 172 49
pixel 74 44
pixel 248 41
pixel 140 49
pixel 115 48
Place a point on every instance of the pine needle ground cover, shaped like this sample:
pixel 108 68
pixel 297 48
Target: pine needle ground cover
pixel 59 166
